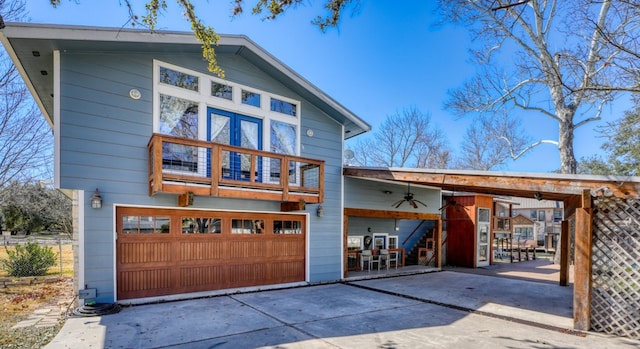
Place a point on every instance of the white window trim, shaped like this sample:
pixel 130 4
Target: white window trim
pixel 204 99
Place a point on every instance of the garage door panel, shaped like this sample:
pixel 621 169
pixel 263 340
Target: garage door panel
pixel 288 248
pixel 246 274
pixel 150 281
pixel 144 252
pixel 202 250
pixel 246 248
pixel 287 271
pixel 173 260
pixel 209 276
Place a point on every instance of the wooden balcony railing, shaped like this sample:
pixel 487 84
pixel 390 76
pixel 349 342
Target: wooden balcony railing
pixel 180 165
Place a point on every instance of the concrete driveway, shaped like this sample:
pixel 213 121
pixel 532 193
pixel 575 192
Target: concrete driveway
pixel 436 310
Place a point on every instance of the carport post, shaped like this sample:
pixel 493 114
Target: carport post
pixel 582 270
pixel 564 251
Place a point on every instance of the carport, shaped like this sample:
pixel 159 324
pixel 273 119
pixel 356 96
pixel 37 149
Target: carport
pixel 594 207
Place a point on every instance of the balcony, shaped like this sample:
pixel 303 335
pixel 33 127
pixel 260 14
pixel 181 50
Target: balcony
pixel 180 165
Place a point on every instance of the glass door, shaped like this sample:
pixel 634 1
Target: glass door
pixel 238 130
pixel 483 237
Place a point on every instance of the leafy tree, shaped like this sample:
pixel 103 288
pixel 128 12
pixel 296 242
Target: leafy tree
pixel 268 9
pixel 406 139
pixel 25 136
pixel 563 60
pixel 594 165
pixel 490 141
pixel 34 207
pixel 622 148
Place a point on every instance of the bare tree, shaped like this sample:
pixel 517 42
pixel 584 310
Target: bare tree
pixel 563 60
pixel 25 137
pixel 490 141
pixel 406 139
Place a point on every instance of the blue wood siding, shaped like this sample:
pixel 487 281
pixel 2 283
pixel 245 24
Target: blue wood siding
pixel 104 135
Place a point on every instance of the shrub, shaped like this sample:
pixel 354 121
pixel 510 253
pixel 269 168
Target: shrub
pixel 30 260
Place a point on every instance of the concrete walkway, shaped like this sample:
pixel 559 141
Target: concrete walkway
pixel 435 310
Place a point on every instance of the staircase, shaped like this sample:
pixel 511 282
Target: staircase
pixel 412 254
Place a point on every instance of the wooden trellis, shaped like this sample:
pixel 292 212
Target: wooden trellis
pixel 615 283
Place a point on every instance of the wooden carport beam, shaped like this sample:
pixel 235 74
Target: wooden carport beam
pixel 552 186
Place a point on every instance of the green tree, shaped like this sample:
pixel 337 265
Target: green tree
pixel 35 207
pixel 563 60
pixel 622 148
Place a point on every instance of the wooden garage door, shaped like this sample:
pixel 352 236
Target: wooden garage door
pixel 163 251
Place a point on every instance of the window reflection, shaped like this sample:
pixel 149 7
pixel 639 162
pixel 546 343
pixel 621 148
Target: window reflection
pixel 179 117
pixel 287 227
pixel 251 98
pixel 201 225
pixel 247 226
pixel 145 225
pixel 283 107
pixel 283 141
pixel 221 90
pixel 178 79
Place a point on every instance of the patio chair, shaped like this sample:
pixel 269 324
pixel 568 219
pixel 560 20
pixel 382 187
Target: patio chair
pixel 367 256
pixel 387 257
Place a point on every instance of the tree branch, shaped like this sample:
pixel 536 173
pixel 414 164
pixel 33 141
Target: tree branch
pixel 516 157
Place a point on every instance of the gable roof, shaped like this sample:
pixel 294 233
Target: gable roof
pixel 31 47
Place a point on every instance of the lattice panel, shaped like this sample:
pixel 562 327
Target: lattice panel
pixel 615 300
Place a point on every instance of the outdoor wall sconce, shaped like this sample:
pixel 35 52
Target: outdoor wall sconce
pixel 96 200
pixel 537 196
pixel 320 211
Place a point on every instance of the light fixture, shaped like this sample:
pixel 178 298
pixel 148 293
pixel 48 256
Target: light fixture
pixel 537 196
pixel 135 93
pixel 96 200
pixel 320 211
pixel 395 225
pixel 388 192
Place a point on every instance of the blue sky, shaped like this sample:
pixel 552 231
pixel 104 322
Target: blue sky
pixel 385 57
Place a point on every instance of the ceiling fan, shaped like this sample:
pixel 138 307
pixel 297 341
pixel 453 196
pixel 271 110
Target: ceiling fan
pixel 408 197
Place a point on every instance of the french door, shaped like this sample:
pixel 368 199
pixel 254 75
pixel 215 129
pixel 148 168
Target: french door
pixel 239 130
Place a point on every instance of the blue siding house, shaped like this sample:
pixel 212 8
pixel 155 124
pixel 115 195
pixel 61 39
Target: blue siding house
pixel 182 182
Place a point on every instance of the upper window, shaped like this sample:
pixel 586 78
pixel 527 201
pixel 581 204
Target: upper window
pixel 182 99
pixel 221 91
pixel 178 117
pixel 251 98
pixel 179 79
pixel 283 107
